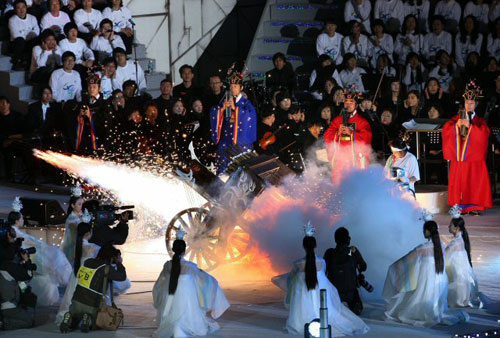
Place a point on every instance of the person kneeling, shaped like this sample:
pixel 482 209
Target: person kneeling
pixel 88 294
pixel 182 296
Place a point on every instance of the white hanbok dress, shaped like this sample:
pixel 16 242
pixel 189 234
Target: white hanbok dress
pixel 462 282
pixel 184 314
pixel 53 269
pixel 304 304
pixel 415 293
pixel 70 232
pixel 89 250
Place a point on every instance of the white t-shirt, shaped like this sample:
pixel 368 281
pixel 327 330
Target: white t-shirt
pixel 81 17
pixel 360 50
pixel 480 12
pixel 79 48
pixel 20 28
pixel 450 10
pixel 352 9
pixel 493 46
pixel 120 18
pixel 409 163
pixel 128 73
pixel 48 20
pixel 101 44
pixel 388 9
pixel 402 50
pixel 332 46
pixel 386 47
pixel 40 57
pixel 421 12
pixel 463 49
pixel 353 77
pixel 433 43
pixel 66 86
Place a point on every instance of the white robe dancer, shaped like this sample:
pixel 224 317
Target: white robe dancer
pixel 416 294
pixel 89 250
pixel 304 304
pixel 53 269
pixel 184 314
pixel 69 240
pixel 462 283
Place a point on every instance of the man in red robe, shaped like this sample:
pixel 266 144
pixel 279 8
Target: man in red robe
pixel 465 145
pixel 348 139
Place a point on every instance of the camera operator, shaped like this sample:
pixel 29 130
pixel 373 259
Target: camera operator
pixel 15 270
pixel 342 266
pixel 88 293
pixel 102 233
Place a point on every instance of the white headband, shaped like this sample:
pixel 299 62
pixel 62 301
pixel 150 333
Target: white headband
pixel 397 149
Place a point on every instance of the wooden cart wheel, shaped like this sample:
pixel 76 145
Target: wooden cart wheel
pixel 201 241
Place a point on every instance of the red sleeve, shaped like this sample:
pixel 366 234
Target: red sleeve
pixel 449 141
pixel 330 134
pixel 363 131
pixel 479 139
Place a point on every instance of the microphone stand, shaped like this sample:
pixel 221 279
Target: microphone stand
pixel 136 62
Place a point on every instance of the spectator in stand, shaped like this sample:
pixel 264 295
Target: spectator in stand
pixel 187 89
pixel 444 71
pixel 88 19
pixel 128 70
pixel 122 22
pixel 330 42
pixel 451 11
pixel 434 95
pixel 165 101
pixel 43 119
pixel 338 101
pixel 494 11
pixel 393 97
pixel 215 94
pixel 383 65
pixel 359 10
pixel 325 116
pixel 284 100
pixel 104 43
pixel 12 128
pixel 467 40
pixel 384 131
pixel 436 40
pixel 490 72
pixel 408 41
pixel 24 31
pixel 473 69
pixel 391 12
pixel 282 75
pixel 493 45
pixel 108 78
pixel 414 75
pixel 55 19
pixel 326 93
pixel 479 10
pixel 83 54
pixel 45 58
pixel 419 9
pixel 352 74
pixel 357 44
pixel 382 43
pixel 326 70
pixel 412 107
pixel 71 7
pixel 65 82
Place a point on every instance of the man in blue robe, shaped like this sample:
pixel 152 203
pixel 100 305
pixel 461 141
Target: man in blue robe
pixel 237 127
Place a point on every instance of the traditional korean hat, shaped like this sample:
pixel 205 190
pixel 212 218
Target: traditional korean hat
pixel 234 76
pixel 352 93
pixel 93 78
pixel 472 91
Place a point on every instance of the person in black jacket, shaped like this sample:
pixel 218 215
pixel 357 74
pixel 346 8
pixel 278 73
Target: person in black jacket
pixel 342 264
pixel 88 292
pixel 282 75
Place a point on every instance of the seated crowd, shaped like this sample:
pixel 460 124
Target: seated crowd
pixel 409 59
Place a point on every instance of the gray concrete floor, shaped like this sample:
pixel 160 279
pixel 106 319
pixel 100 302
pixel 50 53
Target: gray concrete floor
pixel 257 306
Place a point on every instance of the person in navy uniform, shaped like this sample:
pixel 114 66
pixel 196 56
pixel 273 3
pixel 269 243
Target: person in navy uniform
pixel 239 127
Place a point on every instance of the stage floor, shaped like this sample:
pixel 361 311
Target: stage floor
pixel 257 306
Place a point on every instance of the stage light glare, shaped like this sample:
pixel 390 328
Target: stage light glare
pixel 312 329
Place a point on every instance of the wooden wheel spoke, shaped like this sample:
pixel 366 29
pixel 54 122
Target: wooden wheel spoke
pixel 184 224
